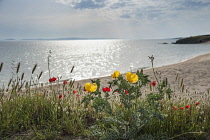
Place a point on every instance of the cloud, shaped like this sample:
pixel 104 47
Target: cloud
pixel 149 9
pixel 84 4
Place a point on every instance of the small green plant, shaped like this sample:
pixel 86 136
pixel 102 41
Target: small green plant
pixel 122 109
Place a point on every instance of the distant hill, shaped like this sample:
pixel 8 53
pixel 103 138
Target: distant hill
pixel 71 39
pixel 194 39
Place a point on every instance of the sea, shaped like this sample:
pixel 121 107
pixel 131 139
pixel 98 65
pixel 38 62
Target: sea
pixel 90 58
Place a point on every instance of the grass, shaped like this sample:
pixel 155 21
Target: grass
pixel 66 111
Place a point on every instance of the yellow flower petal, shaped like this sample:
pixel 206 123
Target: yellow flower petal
pixel 91 87
pixel 131 77
pixel 116 74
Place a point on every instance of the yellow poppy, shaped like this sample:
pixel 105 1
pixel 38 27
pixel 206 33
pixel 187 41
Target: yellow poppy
pixel 91 87
pixel 116 74
pixel 132 77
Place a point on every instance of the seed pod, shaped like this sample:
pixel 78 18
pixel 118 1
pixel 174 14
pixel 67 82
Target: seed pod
pixel 22 76
pixel 72 69
pixel 21 86
pixel 34 68
pixel 1 66
pixel 182 82
pixel 182 88
pixel 18 67
pixel 9 82
pixel 40 75
pixel 177 75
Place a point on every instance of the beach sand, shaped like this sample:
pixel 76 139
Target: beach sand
pixel 195 73
pixel 208 42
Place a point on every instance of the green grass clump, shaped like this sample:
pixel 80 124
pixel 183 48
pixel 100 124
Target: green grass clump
pixel 122 110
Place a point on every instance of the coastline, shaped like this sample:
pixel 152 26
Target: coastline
pixel 208 42
pixel 195 74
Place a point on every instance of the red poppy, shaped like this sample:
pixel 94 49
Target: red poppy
pixel 197 103
pixel 125 91
pixel 39 94
pixel 106 89
pixel 74 91
pixel 60 96
pixel 65 82
pixel 52 79
pixel 153 83
pixel 187 106
pixel 181 108
pixel 175 108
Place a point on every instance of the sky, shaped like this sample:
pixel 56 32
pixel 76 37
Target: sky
pixel 128 19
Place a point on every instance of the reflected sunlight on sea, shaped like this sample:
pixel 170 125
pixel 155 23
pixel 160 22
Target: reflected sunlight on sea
pixel 91 58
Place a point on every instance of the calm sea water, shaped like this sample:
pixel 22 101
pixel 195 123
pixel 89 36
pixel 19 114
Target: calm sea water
pixel 91 58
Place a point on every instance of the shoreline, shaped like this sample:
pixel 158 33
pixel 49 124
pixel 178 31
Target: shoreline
pixel 208 42
pixel 194 71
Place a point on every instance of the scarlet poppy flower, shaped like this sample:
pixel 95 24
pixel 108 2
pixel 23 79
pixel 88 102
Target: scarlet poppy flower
pixel 52 79
pixel 153 83
pixel 106 89
pixel 60 96
pixel 175 108
pixel 181 108
pixel 39 94
pixel 187 106
pixel 74 91
pixel 65 82
pixel 197 103
pixel 125 91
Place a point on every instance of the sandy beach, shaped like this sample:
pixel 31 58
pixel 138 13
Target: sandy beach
pixel 208 42
pixel 195 74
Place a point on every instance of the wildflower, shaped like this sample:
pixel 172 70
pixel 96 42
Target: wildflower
pixel 91 87
pixel 153 83
pixel 52 79
pixel 187 106
pixel 132 77
pixel 181 108
pixel 175 108
pixel 77 95
pixel 74 91
pixel 106 89
pixel 197 103
pixel 39 94
pixel 116 74
pixel 65 82
pixel 60 96
pixel 125 91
